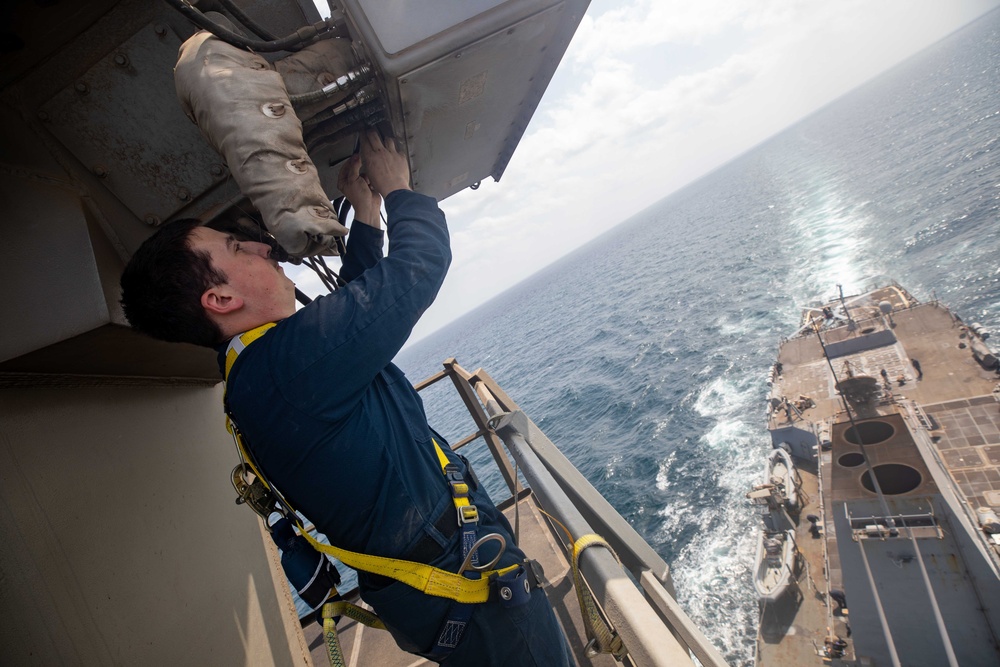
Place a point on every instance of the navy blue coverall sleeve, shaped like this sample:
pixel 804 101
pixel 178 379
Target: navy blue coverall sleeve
pixel 364 250
pixel 356 331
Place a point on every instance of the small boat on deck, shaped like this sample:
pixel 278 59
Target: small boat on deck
pixel 779 491
pixel 774 562
pixel 780 473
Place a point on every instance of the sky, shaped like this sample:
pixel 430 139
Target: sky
pixel 650 96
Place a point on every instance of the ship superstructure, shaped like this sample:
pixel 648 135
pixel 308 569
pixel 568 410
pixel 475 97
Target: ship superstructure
pixel 891 410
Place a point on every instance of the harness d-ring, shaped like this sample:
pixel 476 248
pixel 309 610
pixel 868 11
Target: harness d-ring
pixel 467 563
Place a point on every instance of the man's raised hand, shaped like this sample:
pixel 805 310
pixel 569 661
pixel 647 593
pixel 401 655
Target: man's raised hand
pixel 366 202
pixel 386 169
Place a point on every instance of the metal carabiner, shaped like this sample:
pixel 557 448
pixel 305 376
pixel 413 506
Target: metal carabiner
pixel 467 563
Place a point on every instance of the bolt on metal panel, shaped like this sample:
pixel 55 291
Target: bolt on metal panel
pixel 123 121
pixel 461 84
pixel 400 27
pixel 456 131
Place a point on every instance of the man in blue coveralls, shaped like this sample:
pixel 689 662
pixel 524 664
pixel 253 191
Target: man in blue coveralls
pixel 333 424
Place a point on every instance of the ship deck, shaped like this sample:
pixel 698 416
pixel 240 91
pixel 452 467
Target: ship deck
pixel 792 630
pixel 954 402
pixel 955 391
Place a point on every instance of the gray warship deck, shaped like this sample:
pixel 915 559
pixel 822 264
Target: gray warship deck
pixel 939 428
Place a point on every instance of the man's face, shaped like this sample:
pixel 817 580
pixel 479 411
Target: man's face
pixel 250 272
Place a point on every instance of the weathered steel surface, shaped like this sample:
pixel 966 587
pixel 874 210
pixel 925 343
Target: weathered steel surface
pixel 121 119
pixel 459 377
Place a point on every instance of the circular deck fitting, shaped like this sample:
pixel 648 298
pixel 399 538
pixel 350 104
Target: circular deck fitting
pixel 869 433
pixel 851 460
pixel 893 479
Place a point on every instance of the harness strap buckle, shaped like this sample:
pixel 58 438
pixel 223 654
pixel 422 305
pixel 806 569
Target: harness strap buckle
pixel 467 514
pixel 459 487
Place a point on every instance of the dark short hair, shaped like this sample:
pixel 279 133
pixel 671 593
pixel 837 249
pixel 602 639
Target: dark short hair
pixel 162 286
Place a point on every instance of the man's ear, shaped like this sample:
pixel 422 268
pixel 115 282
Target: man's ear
pixel 220 300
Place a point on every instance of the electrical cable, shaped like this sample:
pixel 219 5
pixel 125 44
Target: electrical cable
pixel 332 275
pixel 311 263
pixel 302 297
pixel 286 43
pixel 355 77
pixel 248 22
pixel 342 206
pixel 346 116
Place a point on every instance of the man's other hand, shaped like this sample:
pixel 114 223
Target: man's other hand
pixel 385 168
pixel 366 202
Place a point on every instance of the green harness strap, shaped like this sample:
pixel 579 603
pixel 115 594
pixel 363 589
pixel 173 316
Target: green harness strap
pixel 352 611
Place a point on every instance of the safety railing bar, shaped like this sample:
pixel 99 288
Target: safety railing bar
pixel 681 624
pixel 639 625
pixel 459 377
pixel 635 552
pixel 505 401
pixel 437 377
pixel 509 502
pixel 467 439
pixel 461 372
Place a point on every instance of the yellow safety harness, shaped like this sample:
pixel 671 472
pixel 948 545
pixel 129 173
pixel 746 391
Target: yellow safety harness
pixel 264 497
pixel 425 578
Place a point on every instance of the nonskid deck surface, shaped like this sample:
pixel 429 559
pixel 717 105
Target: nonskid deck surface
pixel 365 647
pixel 955 392
pixel 953 406
pixel 969 444
pixel 792 630
pixel 926 332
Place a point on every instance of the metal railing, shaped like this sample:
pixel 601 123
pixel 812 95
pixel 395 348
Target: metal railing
pixel 634 591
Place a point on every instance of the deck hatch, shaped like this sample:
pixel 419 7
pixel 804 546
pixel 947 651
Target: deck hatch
pixel 869 432
pixel 893 479
pixel 851 460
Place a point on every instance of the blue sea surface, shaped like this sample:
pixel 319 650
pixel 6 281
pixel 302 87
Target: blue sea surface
pixel 644 355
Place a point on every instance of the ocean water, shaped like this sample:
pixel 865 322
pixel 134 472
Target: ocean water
pixel 644 355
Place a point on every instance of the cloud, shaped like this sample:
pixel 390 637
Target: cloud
pixel 653 22
pixel 652 94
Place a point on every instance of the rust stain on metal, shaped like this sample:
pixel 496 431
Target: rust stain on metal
pixel 472 88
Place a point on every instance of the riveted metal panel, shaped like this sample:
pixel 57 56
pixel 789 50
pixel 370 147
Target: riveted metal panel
pixel 462 97
pixel 122 120
pixel 400 24
pixel 460 108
